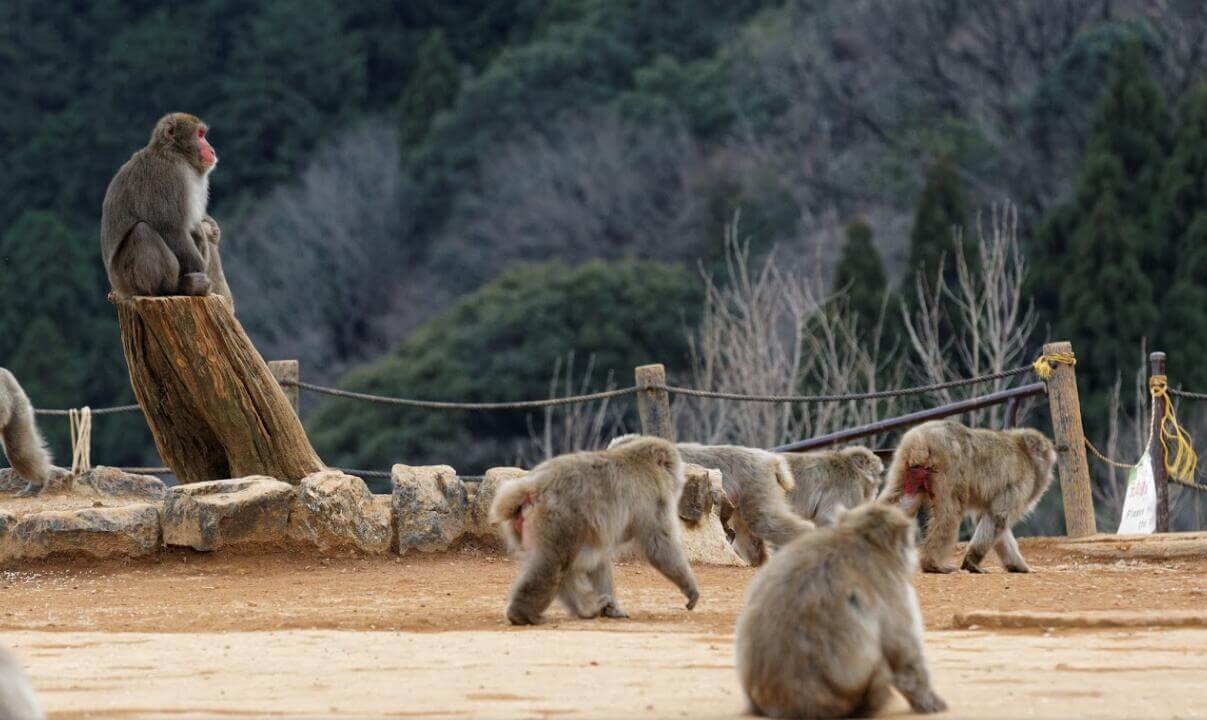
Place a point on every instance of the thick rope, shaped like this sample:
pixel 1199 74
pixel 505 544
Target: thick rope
pixel 1182 463
pixel 81 440
pixel 1187 394
pixel 691 392
pixel 1044 364
pixel 95 411
pixel 441 405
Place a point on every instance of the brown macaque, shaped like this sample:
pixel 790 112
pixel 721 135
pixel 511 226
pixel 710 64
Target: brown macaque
pixel 569 515
pixel 827 480
pixel 756 482
pixel 151 220
pixel 207 235
pixel 18 701
pixel 23 444
pixel 996 476
pixel 831 624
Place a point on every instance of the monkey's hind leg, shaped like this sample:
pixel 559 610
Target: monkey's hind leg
pixel 1007 551
pixel 667 556
pixel 941 534
pixel 774 522
pixel 23 444
pixel 988 529
pixel 537 585
pixel 143 265
pixel 579 597
pixel 601 580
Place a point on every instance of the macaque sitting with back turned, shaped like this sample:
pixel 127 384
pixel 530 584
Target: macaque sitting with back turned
pixel 156 238
pixel 831 623
pixel 997 476
pixel 570 514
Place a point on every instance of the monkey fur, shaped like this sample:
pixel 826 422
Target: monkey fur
pixel 571 512
pixel 831 624
pixel 756 482
pixel 23 444
pixel 152 208
pixel 829 479
pixel 18 701
pixel 206 235
pixel 996 476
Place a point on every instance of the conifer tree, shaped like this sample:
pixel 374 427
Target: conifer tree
pixel 433 86
pixel 940 212
pixel 860 272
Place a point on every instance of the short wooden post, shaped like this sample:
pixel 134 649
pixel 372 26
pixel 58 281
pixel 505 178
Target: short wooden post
pixel 286 371
pixel 1156 451
pixel 1065 406
pixel 653 402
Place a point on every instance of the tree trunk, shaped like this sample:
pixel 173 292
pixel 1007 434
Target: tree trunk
pixel 213 406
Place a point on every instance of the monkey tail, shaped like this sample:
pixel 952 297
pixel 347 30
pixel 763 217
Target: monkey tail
pixel 509 502
pixel 23 444
pixel 783 473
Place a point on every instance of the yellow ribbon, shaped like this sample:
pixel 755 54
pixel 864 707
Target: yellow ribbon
pixel 1181 463
pixel 1044 363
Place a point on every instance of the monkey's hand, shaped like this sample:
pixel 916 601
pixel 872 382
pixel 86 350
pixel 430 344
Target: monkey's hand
pixel 693 596
pixel 1012 567
pixel 928 703
pixel 29 490
pixel 197 283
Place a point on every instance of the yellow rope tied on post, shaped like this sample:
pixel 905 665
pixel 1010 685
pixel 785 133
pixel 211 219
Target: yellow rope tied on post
pixel 1044 364
pixel 1182 462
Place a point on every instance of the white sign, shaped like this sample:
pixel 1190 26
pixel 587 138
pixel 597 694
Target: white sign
pixel 1140 503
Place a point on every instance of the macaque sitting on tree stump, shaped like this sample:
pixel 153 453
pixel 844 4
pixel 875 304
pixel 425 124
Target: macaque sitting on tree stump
pixel 156 238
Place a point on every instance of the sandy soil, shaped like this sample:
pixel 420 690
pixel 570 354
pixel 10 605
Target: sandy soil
pixel 193 635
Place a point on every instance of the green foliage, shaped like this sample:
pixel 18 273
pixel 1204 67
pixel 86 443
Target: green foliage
pixel 692 94
pixel 941 211
pixel 432 89
pixel 1095 261
pixel 502 343
pixel 861 272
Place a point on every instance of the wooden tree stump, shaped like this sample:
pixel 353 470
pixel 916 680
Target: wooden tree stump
pixel 214 408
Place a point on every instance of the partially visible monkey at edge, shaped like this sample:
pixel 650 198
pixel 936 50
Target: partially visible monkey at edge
pixel 829 479
pixel 831 624
pixel 571 513
pixel 756 483
pixel 23 444
pixel 996 476
pixel 156 238
pixel 18 701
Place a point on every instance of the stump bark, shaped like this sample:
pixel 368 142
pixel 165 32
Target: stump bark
pixel 214 408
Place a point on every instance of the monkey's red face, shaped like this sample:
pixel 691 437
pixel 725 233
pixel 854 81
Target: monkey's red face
pixel 209 158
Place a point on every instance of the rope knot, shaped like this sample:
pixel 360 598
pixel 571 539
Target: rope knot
pixel 1180 462
pixel 1044 364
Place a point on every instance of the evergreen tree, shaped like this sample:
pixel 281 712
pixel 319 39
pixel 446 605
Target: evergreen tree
pixel 1182 222
pixel 433 87
pixel 861 272
pixel 940 211
pixel 1102 258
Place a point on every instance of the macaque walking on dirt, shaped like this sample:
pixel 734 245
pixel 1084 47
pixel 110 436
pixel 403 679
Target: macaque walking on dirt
pixel 827 480
pixel 996 476
pixel 570 514
pixel 831 623
pixel 756 482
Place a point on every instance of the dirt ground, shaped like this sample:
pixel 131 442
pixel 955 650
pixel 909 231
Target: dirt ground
pixel 286 635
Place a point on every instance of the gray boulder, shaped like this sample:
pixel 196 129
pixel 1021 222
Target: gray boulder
pixel 129 530
pixel 103 481
pixel 332 510
pixel 480 500
pixel 244 511
pixel 430 506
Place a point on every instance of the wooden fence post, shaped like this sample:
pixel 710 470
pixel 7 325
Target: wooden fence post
pixel 653 402
pixel 287 371
pixel 1156 451
pixel 1065 406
